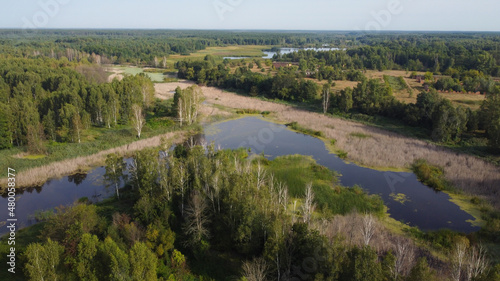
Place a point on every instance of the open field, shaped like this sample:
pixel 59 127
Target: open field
pixel 466 100
pixel 220 52
pixel 382 149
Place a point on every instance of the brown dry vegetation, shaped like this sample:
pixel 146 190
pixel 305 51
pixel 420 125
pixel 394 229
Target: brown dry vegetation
pixel 164 91
pixel 382 149
pixel 39 175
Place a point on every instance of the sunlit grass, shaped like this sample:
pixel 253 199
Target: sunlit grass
pixel 296 171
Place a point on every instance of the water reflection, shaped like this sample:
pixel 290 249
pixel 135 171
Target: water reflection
pixel 408 200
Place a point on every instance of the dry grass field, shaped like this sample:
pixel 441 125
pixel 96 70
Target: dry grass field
pixel 39 175
pixel 229 51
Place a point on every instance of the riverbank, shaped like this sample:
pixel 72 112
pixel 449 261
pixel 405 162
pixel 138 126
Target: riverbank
pixel 379 148
pixel 39 175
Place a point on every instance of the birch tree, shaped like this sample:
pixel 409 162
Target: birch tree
pixel 476 262
pixel 196 219
pixel 308 206
pixel 405 256
pixel 43 260
pixel 115 168
pixel 458 257
pixel 255 270
pixel 187 103
pixel 368 228
pixel 326 97
pixel 138 120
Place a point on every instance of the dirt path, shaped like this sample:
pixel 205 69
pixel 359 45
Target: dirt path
pixel 117 73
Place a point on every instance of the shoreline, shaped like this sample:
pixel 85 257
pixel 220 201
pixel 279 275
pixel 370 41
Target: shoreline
pixel 39 175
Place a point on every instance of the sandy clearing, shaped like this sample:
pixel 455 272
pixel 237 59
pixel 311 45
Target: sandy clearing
pixel 117 73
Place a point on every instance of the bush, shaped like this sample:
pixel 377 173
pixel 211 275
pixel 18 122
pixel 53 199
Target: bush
pixel 295 126
pixel 342 154
pixel 429 175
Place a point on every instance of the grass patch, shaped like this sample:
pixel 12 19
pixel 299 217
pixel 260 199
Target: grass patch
pixel 396 83
pixel 296 127
pixel 34 157
pixel 430 175
pixel 470 205
pixel 342 154
pixel 93 141
pixel 470 102
pixel 360 135
pixel 296 171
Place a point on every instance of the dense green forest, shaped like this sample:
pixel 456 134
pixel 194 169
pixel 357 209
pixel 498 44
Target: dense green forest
pixel 49 99
pixel 217 214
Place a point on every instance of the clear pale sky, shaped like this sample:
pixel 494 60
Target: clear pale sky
pixel 425 15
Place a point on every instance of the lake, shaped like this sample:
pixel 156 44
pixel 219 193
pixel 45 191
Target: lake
pixel 270 54
pixel 408 200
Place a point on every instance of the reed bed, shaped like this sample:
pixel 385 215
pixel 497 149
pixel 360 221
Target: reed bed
pixel 39 175
pixel 382 149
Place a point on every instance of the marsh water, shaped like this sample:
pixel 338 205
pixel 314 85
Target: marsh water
pixel 408 200
pixel 270 54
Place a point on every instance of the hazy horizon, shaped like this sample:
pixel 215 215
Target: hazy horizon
pixel 255 15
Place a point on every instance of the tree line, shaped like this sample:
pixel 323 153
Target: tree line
pixel 443 121
pixel 47 99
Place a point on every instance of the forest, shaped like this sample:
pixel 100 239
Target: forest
pixel 192 211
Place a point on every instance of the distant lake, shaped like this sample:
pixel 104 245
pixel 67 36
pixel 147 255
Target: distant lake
pixel 270 54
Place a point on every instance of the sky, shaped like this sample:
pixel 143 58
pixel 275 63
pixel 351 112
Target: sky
pixel 363 15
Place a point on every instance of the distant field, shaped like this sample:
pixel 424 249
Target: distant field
pixel 466 100
pixel 220 52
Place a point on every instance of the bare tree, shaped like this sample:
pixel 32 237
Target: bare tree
pixel 405 256
pixel 156 62
pixel 261 173
pixel 164 62
pixel 283 195
pixel 308 206
pixel 137 119
pixel 458 259
pixel 368 228
pixel 476 263
pixel 196 219
pixel 255 270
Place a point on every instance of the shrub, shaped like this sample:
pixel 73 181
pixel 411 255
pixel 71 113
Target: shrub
pixel 429 175
pixel 342 154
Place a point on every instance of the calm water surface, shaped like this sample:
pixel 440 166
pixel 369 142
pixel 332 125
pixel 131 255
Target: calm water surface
pixel 269 54
pixel 423 207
